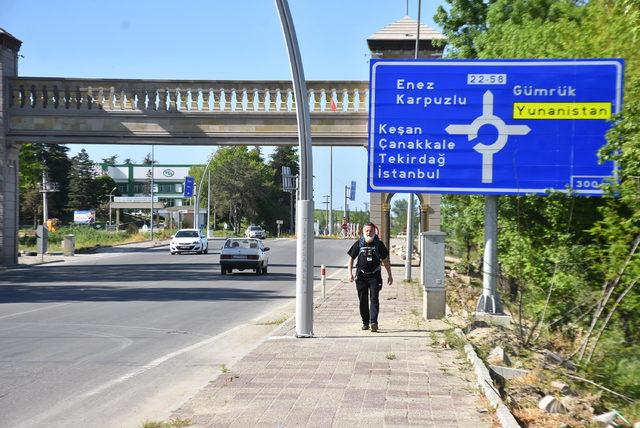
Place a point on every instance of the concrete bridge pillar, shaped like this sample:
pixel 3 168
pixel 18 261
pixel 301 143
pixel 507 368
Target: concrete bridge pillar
pixel 9 47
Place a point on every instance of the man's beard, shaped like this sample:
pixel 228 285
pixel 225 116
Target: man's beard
pixel 368 239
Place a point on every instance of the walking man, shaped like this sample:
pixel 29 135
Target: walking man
pixel 370 254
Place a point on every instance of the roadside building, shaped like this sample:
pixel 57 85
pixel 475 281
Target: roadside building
pixel 134 181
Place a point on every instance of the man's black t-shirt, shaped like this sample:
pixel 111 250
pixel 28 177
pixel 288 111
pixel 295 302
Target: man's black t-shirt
pixel 367 258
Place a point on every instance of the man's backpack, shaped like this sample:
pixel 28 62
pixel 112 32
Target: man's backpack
pixel 376 251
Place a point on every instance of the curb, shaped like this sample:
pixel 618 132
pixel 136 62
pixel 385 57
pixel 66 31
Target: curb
pixel 486 385
pixel 93 251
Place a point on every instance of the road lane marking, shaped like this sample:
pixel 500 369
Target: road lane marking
pixel 155 363
pixel 34 310
pixel 67 403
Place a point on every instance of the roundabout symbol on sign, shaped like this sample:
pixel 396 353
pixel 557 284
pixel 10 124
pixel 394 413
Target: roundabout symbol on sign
pixel 488 150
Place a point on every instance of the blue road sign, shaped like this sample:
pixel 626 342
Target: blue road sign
pixel 491 126
pixel 352 191
pixel 189 182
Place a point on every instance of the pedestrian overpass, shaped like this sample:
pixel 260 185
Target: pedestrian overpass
pixel 171 112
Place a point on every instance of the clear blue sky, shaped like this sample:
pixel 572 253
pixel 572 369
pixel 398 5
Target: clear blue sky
pixel 206 39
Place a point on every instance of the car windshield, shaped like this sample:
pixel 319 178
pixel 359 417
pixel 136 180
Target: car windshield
pixel 241 243
pixel 255 228
pixel 187 234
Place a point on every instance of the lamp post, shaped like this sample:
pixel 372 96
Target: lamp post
pixel 304 223
pixel 110 199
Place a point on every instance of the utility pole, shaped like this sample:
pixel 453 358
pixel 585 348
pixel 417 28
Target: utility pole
pixel 45 188
pixel 330 221
pixel 45 207
pixel 326 202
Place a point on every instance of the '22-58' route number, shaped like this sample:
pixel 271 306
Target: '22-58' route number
pixel 486 79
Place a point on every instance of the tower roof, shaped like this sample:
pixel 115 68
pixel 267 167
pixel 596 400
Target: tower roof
pixel 6 39
pixel 398 40
pixel 405 29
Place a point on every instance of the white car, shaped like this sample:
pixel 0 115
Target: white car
pixel 255 232
pixel 189 241
pixel 244 253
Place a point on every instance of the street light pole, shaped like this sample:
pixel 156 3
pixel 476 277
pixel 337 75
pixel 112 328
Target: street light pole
pixel 209 205
pixel 304 253
pixel 152 184
pixel 110 200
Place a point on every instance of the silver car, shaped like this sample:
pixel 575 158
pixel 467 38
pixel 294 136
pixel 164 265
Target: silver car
pixel 255 232
pixel 189 241
pixel 244 253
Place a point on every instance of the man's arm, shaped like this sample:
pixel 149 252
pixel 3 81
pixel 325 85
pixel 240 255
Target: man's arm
pixel 387 265
pixel 350 268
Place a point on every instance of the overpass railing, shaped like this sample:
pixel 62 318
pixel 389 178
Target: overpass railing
pixel 118 95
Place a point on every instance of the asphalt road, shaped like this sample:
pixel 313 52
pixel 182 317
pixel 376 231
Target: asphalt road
pixel 115 338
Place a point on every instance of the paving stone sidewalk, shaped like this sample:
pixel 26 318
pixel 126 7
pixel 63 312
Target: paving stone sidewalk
pixel 403 375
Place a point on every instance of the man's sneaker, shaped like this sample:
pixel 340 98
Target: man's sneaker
pixel 374 327
pixel 365 326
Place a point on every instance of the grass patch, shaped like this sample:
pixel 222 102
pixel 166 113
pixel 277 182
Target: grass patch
pixel 390 356
pixel 278 321
pixel 224 368
pixel 455 341
pixel 172 423
pixel 88 237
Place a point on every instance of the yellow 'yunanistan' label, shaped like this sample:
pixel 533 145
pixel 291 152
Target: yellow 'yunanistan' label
pixel 562 111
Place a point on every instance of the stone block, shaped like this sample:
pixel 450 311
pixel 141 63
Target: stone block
pixel 509 372
pixel 499 357
pixel 550 404
pixel 491 319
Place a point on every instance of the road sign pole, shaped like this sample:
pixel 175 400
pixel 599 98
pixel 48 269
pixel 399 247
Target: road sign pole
pixel 409 253
pixel 490 302
pixel 304 253
pixel 196 209
pixel 346 212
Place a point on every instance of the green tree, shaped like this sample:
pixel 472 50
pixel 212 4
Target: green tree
pixel 111 160
pixel 241 184
pixel 573 260
pixel 82 190
pixel 399 216
pixel 104 185
pixel 147 160
pixel 36 159
pixel 462 24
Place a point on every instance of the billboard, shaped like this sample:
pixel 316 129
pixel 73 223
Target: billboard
pixel 491 126
pixel 84 217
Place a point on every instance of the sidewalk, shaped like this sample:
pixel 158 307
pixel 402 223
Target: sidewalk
pixel 58 257
pixel 344 377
